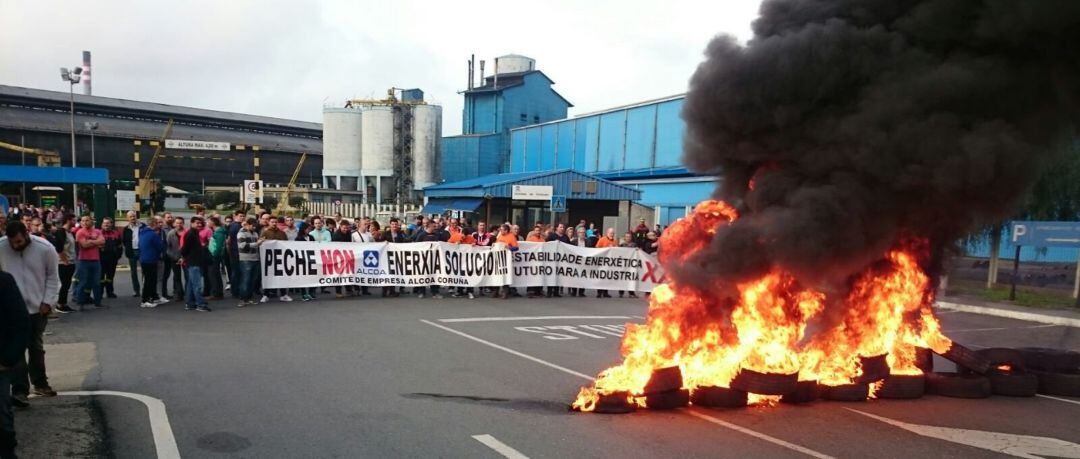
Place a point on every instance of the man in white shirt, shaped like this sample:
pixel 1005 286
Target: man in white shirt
pixel 34 264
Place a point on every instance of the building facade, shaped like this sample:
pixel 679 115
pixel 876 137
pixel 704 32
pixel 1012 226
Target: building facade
pixel 637 145
pixel 516 95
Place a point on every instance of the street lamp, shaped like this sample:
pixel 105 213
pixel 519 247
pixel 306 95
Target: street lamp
pixel 72 77
pixel 91 126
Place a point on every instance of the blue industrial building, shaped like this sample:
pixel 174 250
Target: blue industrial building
pixel 638 145
pixel 516 95
pixel 516 123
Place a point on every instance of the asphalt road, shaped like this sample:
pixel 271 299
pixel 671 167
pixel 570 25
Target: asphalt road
pixel 405 377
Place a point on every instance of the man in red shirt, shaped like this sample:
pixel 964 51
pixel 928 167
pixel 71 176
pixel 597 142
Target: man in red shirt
pixel 88 269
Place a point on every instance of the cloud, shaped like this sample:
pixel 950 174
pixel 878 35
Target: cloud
pixel 287 58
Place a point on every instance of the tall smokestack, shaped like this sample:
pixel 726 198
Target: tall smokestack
pixel 481 72
pixel 86 72
pixel 844 126
pixel 472 58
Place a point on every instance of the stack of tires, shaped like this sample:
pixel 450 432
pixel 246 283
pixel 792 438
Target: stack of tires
pixel 1057 371
pixel 982 373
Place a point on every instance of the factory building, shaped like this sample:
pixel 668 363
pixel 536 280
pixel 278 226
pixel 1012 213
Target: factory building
pixel 388 149
pixel 216 148
pixel 637 145
pixel 515 95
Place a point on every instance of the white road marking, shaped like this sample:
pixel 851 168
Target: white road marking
pixel 509 351
pixel 506 319
pixel 999 328
pixel 1074 402
pixel 499 447
pixel 755 434
pixel 1010 314
pixel 164 441
pixel 1026 446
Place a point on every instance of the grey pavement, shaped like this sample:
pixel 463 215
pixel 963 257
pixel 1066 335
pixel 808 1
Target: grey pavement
pixel 374 377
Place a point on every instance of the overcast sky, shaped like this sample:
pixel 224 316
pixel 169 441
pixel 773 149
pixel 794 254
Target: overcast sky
pixel 287 58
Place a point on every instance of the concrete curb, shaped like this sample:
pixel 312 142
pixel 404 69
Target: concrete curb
pixel 1010 314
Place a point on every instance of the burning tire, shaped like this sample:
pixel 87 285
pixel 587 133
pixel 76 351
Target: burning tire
pixel 967 358
pixel 667 400
pixel 805 392
pixel 664 380
pixel 1052 360
pixel 614 403
pixel 1012 383
pixel 924 359
pixel 846 392
pixel 1066 384
pixel 902 387
pixel 958 385
pixel 1004 356
pixel 874 369
pixel 756 382
pixel 718 397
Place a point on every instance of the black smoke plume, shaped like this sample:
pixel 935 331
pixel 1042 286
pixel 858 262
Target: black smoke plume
pixel 844 126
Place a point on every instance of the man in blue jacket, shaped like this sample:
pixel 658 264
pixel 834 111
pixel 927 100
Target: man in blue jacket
pixel 14 338
pixel 151 248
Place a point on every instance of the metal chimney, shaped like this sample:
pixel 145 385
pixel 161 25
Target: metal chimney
pixel 86 72
pixel 472 59
pixel 481 72
pixel 496 83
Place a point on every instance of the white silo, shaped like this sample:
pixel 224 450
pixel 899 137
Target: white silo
pixel 514 63
pixel 342 159
pixel 426 145
pixel 377 146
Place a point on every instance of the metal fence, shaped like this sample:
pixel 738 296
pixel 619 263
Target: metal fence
pixel 379 212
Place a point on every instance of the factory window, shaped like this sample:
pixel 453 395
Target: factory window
pixel 524 118
pixel 536 118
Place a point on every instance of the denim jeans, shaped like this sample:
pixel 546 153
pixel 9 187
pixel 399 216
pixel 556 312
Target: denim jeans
pixel 89 274
pixel 133 264
pixel 193 293
pixel 246 279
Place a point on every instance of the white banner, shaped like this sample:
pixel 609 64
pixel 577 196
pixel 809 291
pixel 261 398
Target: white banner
pixel 177 144
pixel 290 264
pixel 555 264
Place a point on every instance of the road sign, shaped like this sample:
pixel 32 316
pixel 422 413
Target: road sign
pixel 253 191
pixel 125 199
pixel 177 144
pixel 558 203
pixel 531 192
pixel 1046 234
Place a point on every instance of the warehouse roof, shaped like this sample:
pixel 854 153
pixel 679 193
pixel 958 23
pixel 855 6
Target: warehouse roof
pixel 509 80
pixel 561 181
pixel 58 100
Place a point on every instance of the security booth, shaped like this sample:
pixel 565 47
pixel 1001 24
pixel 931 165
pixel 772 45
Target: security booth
pixel 53 178
pixel 526 198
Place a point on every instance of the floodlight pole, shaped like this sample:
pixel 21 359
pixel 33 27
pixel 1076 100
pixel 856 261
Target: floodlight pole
pixel 74 187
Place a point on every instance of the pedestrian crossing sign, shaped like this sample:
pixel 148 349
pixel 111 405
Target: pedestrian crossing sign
pixel 558 203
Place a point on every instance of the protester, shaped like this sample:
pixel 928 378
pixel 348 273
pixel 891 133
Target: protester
pixel 273 233
pixel 343 234
pixel 430 233
pixel 363 233
pixel 14 339
pixel 89 242
pixel 216 249
pixel 627 241
pixel 111 253
pixel 290 229
pixel 193 256
pixel 303 234
pixel 395 235
pixel 63 240
pixel 32 262
pixel 234 253
pixel 581 239
pixel 510 242
pixel 558 235
pixel 131 248
pixel 151 249
pixel 607 240
pixel 248 242
pixel 650 244
pixel 171 260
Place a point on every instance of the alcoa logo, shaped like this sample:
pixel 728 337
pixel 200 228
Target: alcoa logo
pixel 371 258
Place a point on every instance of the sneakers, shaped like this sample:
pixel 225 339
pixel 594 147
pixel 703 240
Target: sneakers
pixel 203 309
pixel 285 298
pixel 148 304
pixel 188 307
pixel 306 297
pixel 20 400
pixel 340 295
pixel 44 391
pixel 100 306
pixel 471 296
pixel 241 304
pixel 64 309
pixel 437 296
pixel 455 295
pixel 162 300
pixel 110 295
pixel 421 296
pixel 264 299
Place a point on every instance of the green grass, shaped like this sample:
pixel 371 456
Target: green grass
pixel 1025 296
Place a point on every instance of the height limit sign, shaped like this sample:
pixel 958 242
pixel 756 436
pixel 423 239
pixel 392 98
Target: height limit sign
pixel 253 191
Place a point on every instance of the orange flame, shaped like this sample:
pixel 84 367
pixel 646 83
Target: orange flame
pixel 764 326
